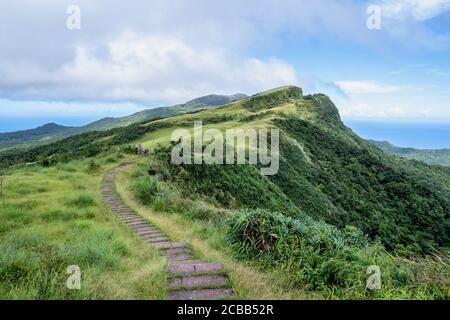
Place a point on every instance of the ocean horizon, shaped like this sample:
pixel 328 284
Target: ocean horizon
pixel 420 135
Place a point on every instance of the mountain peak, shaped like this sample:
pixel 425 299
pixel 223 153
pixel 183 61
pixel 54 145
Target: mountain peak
pixel 324 109
pixel 271 98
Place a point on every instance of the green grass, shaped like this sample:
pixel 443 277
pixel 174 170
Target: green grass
pixel 51 218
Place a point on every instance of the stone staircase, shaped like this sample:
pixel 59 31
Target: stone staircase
pixel 189 278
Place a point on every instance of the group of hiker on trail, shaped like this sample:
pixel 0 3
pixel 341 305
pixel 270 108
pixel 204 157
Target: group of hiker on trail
pixel 141 151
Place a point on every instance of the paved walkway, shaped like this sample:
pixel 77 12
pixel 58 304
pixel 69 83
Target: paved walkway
pixel 189 278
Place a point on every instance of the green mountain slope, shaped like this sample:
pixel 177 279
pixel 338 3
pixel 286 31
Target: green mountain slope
pixel 52 132
pixel 327 172
pixel 430 156
pixel 163 112
pixel 43 133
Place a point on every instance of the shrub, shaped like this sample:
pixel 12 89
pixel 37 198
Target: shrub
pixel 110 159
pixel 145 188
pixel 322 254
pixel 81 200
pixel 315 255
pixel 93 166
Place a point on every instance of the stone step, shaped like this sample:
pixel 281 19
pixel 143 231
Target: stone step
pixel 176 251
pixel 124 209
pixel 145 226
pixel 133 219
pixel 156 240
pixel 193 268
pixel 127 216
pixel 148 231
pixel 199 281
pixel 152 236
pixel 138 223
pixel 126 212
pixel 202 294
pixel 124 218
pixel 185 261
pixel 180 256
pixel 170 245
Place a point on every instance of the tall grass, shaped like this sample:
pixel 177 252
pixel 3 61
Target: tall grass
pixel 80 199
pixel 321 257
pixel 50 218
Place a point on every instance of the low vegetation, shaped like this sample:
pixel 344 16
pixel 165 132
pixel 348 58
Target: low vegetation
pixel 318 256
pixel 52 218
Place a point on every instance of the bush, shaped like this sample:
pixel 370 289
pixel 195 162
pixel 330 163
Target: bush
pixel 315 252
pixel 145 188
pixel 93 166
pixel 81 200
pixel 315 255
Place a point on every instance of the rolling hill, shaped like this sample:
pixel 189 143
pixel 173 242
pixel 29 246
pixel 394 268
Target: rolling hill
pixel 327 172
pixel 52 132
pixel 337 205
pixel 430 156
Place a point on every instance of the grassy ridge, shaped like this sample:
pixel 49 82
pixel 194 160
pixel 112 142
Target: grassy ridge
pixel 330 182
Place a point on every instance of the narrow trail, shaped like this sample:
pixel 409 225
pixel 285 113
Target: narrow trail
pixel 189 278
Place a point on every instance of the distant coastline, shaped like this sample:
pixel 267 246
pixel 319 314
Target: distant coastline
pixel 419 135
pixel 10 124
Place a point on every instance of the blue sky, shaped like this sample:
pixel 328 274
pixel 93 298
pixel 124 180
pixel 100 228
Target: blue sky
pixel 130 55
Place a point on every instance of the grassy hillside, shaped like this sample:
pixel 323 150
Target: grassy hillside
pixel 430 156
pixel 53 132
pixel 52 218
pixel 337 205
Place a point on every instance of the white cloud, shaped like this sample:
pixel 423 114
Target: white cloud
pixel 178 50
pixel 382 110
pixel 136 67
pixel 367 87
pixel 60 109
pixel 417 9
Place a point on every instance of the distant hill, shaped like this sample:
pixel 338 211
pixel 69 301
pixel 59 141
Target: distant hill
pixel 51 132
pixel 43 133
pixel 430 156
